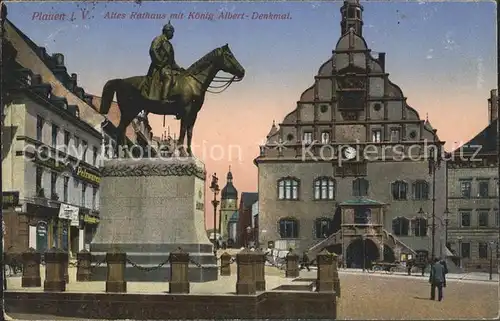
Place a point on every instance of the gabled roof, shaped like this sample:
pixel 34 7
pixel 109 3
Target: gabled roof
pixel 486 140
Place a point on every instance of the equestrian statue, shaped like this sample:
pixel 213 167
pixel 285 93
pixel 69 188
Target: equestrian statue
pixel 168 89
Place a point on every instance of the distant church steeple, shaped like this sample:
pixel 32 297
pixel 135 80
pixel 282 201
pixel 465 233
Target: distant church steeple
pixel 352 17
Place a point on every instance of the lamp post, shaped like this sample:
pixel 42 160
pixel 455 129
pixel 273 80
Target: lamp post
pixel 3 17
pixel 363 240
pixel 460 250
pixel 446 222
pixel 214 187
pixel 433 230
pixel 492 243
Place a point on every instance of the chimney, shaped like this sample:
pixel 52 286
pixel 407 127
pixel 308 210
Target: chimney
pixel 58 59
pixel 42 52
pixel 381 60
pixel 493 106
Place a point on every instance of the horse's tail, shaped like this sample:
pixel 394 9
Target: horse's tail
pixel 108 93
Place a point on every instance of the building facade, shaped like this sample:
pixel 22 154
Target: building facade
pixel 352 136
pixel 246 235
pixel 228 205
pixel 474 222
pixel 52 161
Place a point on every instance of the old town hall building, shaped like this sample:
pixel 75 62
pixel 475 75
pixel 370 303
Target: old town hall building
pixel 348 168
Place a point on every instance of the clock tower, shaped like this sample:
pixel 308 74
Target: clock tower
pixel 229 204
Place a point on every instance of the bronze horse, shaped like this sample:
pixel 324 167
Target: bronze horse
pixel 187 94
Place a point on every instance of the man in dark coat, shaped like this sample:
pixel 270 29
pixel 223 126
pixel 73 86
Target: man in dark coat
pixel 437 279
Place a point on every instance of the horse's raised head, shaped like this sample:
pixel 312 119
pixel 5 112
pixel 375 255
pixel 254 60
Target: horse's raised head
pixel 231 64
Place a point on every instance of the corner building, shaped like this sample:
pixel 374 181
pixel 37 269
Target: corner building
pixel 370 204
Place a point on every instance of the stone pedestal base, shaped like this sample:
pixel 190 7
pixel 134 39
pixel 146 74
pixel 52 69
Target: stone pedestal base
pixel 149 208
pixel 179 287
pixel 54 286
pixel 116 286
pixel 31 282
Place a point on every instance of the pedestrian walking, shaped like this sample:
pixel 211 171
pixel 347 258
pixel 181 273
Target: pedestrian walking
pixel 305 261
pixel 437 279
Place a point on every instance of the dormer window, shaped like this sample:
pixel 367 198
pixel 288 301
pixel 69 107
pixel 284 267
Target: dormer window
pixel 325 137
pixel 307 138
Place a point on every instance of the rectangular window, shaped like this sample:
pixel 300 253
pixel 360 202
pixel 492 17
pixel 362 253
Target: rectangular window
pixel 39 128
pixel 67 138
pixel 483 250
pixel 65 192
pixel 53 185
pixel 76 144
pixel 307 138
pixel 95 152
pixel 84 191
pixel 483 189
pixel 55 130
pixel 376 135
pixel 39 176
pixel 325 137
pixel 497 218
pixel 465 189
pixel 465 219
pixel 465 250
pixel 482 219
pixel 84 150
pixel 395 136
pixel 94 197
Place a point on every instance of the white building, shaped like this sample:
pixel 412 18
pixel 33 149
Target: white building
pixel 51 158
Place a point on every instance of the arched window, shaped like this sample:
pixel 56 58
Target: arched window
pixel 399 190
pixel 288 188
pixel 400 226
pixel 360 187
pixel 324 188
pixel 288 228
pixel 421 190
pixel 419 226
pixel 362 215
pixel 323 227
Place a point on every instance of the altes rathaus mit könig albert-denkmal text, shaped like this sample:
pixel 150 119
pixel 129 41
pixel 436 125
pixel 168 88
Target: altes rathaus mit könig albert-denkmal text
pixel 194 15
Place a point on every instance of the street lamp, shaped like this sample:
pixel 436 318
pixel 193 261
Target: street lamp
pixel 459 238
pixel 363 239
pixel 492 243
pixel 3 17
pixel 214 187
pixel 433 230
pixel 446 222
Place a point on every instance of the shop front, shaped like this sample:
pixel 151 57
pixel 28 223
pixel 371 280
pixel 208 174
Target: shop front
pixel 90 223
pixel 67 228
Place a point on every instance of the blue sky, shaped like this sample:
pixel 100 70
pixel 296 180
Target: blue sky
pixel 452 33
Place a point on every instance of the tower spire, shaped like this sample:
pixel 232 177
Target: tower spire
pixel 352 17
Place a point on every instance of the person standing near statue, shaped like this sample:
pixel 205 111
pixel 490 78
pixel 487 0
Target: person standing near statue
pixel 163 68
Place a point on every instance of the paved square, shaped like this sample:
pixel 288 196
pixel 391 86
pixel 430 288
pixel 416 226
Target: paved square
pixel 370 296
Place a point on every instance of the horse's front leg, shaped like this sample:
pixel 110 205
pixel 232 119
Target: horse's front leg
pixel 182 136
pixel 190 128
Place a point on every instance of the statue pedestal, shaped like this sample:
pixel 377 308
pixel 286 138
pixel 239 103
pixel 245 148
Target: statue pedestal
pixel 148 208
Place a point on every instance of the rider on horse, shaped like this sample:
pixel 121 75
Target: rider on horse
pixel 163 68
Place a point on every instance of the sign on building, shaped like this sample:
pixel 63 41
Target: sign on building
pixel 10 199
pixel 70 213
